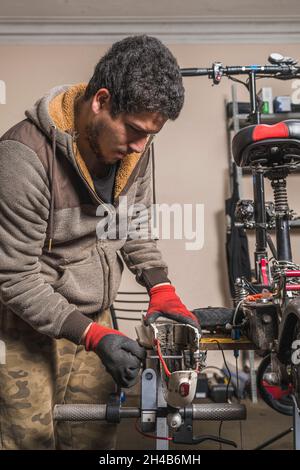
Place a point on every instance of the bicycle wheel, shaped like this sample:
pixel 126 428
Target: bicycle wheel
pixel 295 363
pixel 277 397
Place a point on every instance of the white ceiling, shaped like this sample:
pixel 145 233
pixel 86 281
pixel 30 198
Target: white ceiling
pixel 146 8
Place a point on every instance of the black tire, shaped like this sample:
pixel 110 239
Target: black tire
pixel 283 405
pixel 296 368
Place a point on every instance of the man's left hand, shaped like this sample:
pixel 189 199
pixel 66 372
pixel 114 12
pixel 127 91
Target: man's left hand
pixel 164 302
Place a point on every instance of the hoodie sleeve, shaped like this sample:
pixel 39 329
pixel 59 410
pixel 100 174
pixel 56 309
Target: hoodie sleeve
pixel 141 254
pixel 24 211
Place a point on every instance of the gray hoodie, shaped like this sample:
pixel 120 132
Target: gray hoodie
pixel 55 273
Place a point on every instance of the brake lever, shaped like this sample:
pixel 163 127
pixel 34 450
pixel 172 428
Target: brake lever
pixel 184 434
pixel 205 437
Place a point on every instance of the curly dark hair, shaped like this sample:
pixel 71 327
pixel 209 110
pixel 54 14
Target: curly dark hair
pixel 141 74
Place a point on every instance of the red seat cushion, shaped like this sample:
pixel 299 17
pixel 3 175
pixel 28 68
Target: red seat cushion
pixel 279 134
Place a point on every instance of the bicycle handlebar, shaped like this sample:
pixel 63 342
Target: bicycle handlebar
pixel 206 412
pixel 218 70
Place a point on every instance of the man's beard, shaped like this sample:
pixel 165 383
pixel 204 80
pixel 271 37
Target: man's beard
pixel 92 134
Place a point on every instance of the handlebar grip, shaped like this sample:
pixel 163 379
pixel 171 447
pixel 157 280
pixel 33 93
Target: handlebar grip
pixel 80 412
pixel 219 412
pixel 194 72
pixel 92 412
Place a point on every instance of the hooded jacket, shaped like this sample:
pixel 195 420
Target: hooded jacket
pixel 55 273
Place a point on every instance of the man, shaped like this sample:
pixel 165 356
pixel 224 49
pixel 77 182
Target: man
pixel 80 147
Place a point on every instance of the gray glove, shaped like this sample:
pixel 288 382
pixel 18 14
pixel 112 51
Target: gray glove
pixel 122 358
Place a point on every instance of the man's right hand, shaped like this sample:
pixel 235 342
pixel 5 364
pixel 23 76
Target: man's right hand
pixel 121 356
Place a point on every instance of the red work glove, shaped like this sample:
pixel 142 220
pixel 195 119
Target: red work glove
pixel 121 356
pixel 164 302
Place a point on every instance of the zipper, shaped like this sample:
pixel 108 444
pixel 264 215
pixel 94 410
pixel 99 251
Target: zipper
pixel 105 274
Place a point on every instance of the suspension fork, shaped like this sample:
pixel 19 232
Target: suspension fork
pixel 284 250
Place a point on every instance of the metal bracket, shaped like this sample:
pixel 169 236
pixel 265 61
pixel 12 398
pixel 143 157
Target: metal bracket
pixel 148 400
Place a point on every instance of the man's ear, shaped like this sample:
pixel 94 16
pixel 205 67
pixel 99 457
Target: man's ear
pixel 101 100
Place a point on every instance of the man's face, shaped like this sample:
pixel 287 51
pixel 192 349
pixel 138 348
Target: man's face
pixel 111 138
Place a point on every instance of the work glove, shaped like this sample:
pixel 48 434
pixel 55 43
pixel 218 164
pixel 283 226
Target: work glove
pixel 120 355
pixel 164 302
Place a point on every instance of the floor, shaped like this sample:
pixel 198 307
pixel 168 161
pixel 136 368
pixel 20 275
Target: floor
pixel 262 423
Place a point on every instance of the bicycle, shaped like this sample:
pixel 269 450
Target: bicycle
pixel 267 308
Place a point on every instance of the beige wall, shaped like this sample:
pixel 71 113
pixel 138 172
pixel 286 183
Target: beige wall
pixel 191 153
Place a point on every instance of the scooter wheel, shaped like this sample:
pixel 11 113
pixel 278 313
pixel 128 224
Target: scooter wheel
pixel 276 396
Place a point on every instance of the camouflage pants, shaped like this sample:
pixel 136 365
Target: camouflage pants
pixel 40 372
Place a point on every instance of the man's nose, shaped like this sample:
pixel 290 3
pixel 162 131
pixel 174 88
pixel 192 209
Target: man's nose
pixel 138 145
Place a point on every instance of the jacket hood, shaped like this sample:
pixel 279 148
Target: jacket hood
pixel 39 114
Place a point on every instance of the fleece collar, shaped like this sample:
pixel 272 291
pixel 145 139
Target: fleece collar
pixel 61 110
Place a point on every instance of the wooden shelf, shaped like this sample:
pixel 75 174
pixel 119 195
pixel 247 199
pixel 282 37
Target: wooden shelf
pixel 211 342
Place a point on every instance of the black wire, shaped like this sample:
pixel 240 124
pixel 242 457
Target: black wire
pixel 237 377
pixel 228 370
pixel 250 286
pixel 239 399
pixel 238 81
pixel 220 430
pixel 227 388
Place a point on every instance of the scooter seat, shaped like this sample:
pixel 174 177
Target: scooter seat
pixel 270 145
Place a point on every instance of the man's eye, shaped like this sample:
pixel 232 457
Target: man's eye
pixel 137 131
pixel 133 129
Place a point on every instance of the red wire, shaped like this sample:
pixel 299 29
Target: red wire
pixel 149 435
pixel 167 372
